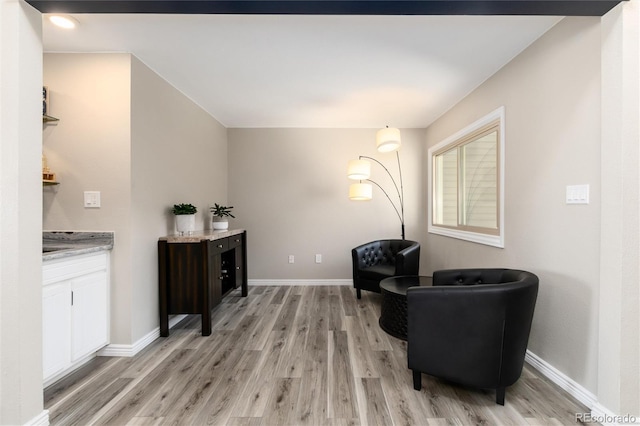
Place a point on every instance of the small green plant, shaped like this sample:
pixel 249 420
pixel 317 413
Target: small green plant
pixel 179 209
pixel 221 211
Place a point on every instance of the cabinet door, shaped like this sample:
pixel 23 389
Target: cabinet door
pixel 215 278
pixel 235 272
pixel 89 326
pixel 56 328
pixel 239 267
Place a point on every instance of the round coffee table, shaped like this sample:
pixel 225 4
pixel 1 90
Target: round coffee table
pixel 393 311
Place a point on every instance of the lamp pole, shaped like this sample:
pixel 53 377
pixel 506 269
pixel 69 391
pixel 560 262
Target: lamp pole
pixel 399 190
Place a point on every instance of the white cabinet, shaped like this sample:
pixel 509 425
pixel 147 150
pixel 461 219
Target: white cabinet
pixel 56 333
pixel 75 311
pixel 89 314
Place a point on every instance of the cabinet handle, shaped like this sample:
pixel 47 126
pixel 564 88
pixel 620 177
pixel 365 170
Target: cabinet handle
pixel 72 298
pixel 220 245
pixel 237 240
pixel 237 267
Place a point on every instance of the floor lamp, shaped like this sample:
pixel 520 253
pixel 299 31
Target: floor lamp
pixel 387 140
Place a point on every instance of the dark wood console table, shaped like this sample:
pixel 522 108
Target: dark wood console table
pixel 197 271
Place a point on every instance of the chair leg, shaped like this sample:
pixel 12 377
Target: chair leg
pixel 500 396
pixel 358 293
pixel 417 380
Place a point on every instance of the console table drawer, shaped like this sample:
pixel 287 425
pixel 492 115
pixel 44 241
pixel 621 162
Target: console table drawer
pixel 235 241
pixel 219 246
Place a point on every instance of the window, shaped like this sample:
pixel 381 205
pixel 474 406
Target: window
pixel 466 183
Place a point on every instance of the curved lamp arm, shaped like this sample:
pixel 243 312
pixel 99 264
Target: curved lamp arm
pixel 385 193
pixel 399 190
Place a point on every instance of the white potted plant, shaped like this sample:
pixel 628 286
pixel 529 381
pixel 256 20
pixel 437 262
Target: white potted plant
pixel 185 218
pixel 221 215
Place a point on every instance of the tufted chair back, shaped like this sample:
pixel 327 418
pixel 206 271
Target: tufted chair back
pixel 381 252
pixel 475 276
pixel 380 259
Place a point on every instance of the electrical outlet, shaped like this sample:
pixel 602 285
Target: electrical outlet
pixel 318 258
pixel 292 258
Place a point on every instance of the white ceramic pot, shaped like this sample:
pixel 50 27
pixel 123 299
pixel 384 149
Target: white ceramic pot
pixel 220 223
pixel 185 223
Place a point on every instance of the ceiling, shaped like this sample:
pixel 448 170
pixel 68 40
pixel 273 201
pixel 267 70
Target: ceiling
pixel 313 71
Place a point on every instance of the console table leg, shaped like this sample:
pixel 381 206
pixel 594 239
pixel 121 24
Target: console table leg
pixel 417 380
pixel 162 273
pixel 245 277
pixel 206 323
pixel 164 325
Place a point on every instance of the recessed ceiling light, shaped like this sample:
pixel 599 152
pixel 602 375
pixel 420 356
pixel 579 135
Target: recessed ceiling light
pixel 64 21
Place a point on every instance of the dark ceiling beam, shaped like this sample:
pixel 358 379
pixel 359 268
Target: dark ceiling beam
pixel 333 7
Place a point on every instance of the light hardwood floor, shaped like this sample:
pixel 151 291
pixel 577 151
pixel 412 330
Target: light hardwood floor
pixel 289 356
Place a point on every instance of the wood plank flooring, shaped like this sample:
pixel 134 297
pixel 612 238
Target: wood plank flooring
pixel 288 356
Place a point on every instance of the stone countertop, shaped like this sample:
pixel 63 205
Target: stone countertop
pixel 198 236
pixel 61 244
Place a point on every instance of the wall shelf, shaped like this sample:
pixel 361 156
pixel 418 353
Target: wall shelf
pixel 48 119
pixel 49 182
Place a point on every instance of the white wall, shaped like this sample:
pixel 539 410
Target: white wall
pixel 126 132
pixel 20 225
pixel 290 189
pixel 551 94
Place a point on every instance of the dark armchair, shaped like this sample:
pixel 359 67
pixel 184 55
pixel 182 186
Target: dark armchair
pixel 377 260
pixel 472 327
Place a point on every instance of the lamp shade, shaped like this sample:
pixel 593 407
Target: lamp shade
pixel 359 169
pixel 388 139
pixel 360 191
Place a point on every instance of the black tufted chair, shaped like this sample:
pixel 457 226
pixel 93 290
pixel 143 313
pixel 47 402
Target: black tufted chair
pixel 472 327
pixel 377 260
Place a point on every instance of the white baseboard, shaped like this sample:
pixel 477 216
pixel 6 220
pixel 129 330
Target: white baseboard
pixel 115 349
pixel 140 344
pixel 562 380
pixel 257 283
pixel 70 369
pixel 41 419
pixel 598 413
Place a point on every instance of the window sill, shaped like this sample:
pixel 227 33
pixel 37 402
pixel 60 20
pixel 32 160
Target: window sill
pixel 474 237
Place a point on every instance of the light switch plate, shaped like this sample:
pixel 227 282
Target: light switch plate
pixel 92 199
pixel 578 194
